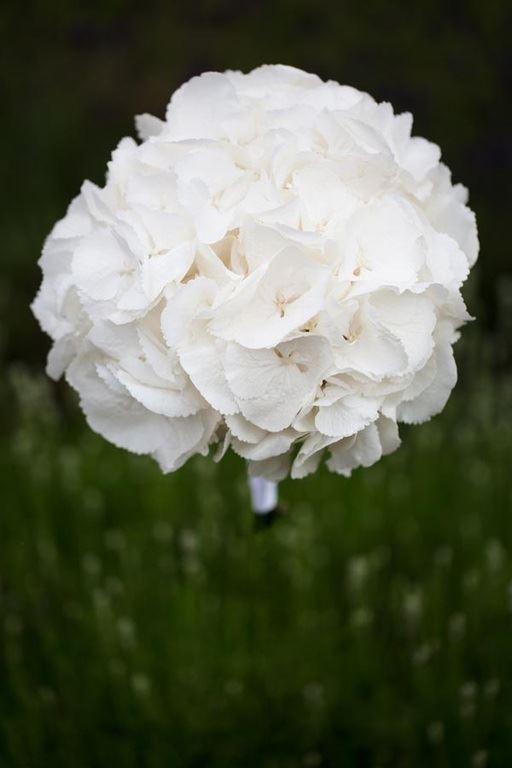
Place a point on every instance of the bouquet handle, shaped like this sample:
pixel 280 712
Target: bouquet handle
pixel 264 495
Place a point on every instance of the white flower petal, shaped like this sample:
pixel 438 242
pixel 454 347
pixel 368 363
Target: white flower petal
pixel 162 400
pixel 99 264
pixel 361 450
pixel 111 411
pixel 272 386
pixel 203 363
pixel 346 416
pixel 288 294
pixel 273 444
pixel 433 398
pixel 185 438
pixel 274 469
pixel 411 320
pixel 148 126
pixel 202 108
pixel 310 455
pixel 165 268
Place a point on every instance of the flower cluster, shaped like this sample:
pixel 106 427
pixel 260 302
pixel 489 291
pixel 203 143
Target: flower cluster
pixel 276 267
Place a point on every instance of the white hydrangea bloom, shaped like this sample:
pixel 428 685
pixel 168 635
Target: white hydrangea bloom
pixel 276 267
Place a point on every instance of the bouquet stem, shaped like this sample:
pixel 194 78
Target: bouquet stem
pixel 264 494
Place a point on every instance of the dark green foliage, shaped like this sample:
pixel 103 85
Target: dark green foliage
pixel 145 623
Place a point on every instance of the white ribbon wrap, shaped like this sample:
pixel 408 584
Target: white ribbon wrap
pixel 263 495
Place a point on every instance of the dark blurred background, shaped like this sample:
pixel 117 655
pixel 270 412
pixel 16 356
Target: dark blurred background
pixel 144 623
pixel 74 77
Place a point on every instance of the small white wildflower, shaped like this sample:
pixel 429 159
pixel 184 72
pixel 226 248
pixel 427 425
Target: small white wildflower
pixel 114 586
pixel 457 625
pixel 162 532
pixel 422 654
pixel 47 695
pixel 443 557
pixel 379 558
pixel 126 629
pixel 468 690
pixel 413 605
pixel 101 600
pixel 313 694
pixel 491 688
pixel 495 554
pixel 435 732
pixel 92 500
pixel 192 566
pixel 357 571
pixel 362 617
pixel 91 564
pixel 188 540
pixel 13 624
pixel 141 684
pixel 471 579
pixel 47 550
pixel 467 693
pixel 117 667
pixel 480 759
pixel 312 759
pixel 115 540
pixel 233 687
pixel 467 709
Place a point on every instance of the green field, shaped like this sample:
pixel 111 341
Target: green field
pixel 146 623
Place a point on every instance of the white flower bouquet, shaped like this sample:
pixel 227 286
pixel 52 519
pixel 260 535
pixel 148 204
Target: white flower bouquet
pixel 276 267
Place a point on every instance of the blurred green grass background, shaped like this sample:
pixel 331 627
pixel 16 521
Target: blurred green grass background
pixel 143 621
